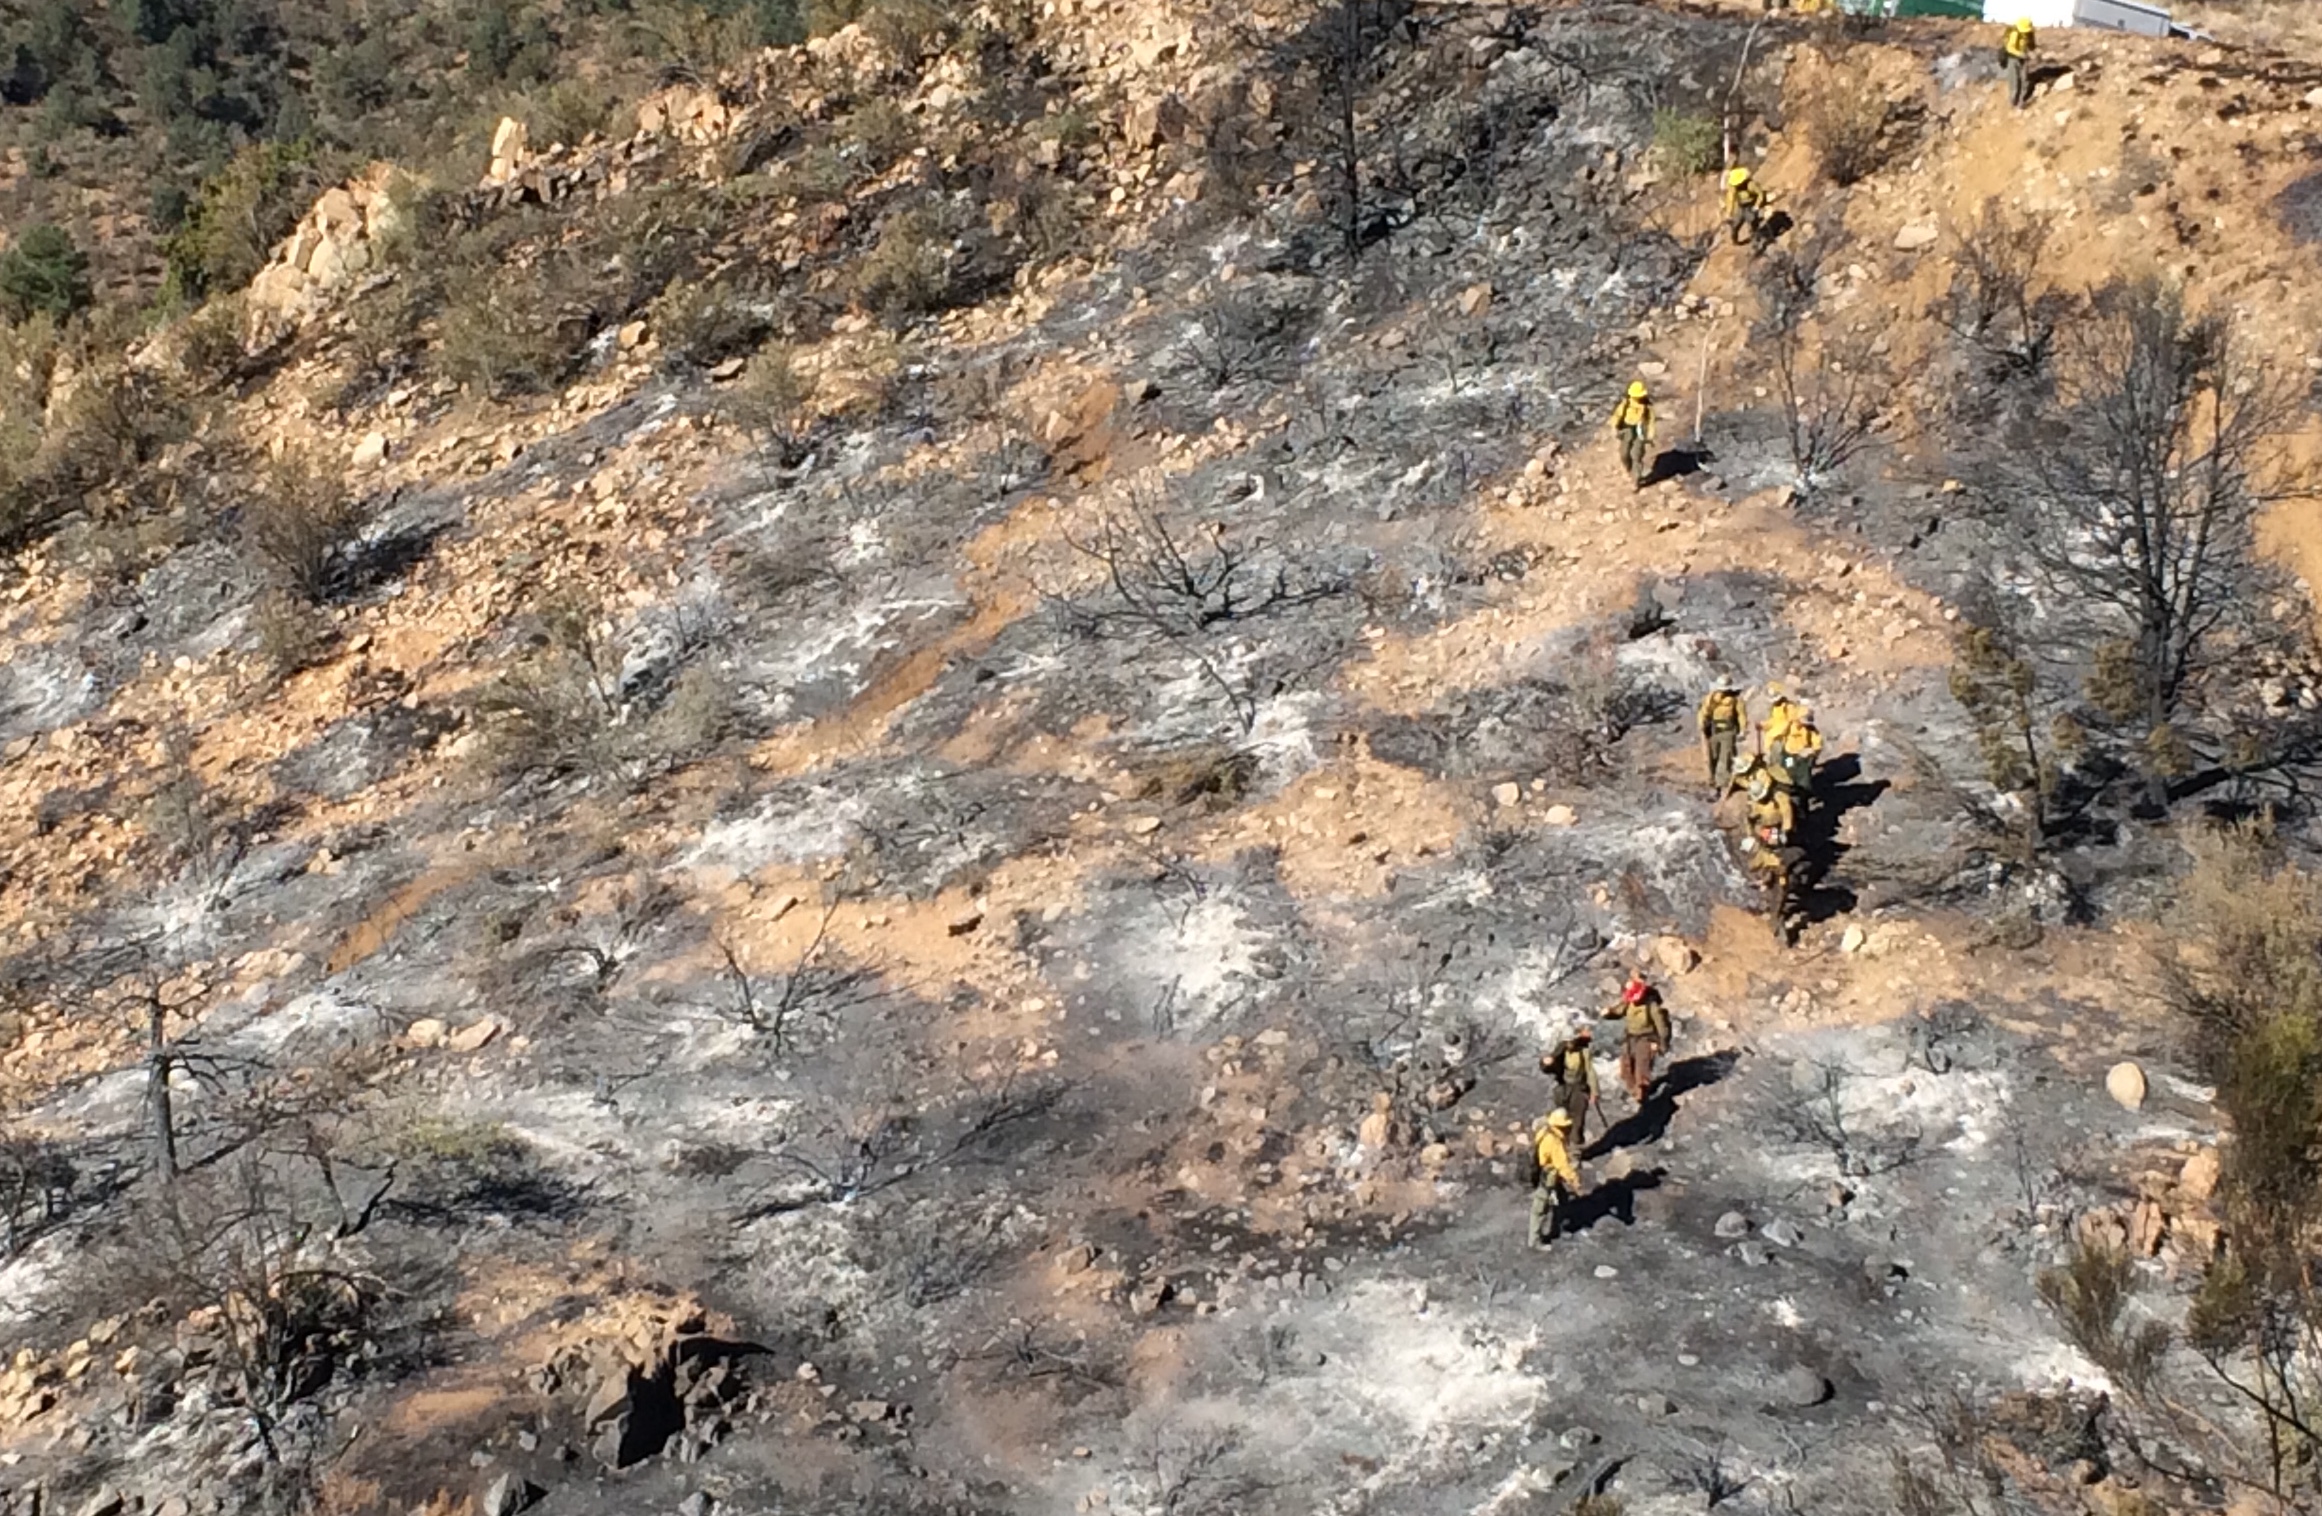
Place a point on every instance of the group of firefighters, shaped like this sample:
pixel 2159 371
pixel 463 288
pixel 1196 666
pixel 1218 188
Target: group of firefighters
pixel 1747 223
pixel 1558 1139
pixel 1774 785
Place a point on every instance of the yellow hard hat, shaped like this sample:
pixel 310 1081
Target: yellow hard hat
pixel 1738 176
pixel 1560 1119
pixel 2023 25
pixel 1636 389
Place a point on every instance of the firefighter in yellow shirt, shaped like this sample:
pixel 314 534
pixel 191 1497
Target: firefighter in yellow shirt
pixel 2016 50
pixel 1745 205
pixel 1722 717
pixel 1557 1182
pixel 1632 420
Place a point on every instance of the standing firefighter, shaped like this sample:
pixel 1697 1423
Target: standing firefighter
pixel 1798 751
pixel 1771 819
pixel 1556 1179
pixel 1632 420
pixel 1572 1064
pixel 1781 710
pixel 1722 718
pixel 1645 1023
pixel 1745 205
pixel 2016 50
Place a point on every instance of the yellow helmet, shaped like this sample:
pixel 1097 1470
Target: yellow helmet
pixel 1739 175
pixel 1559 1119
pixel 2023 25
pixel 1636 389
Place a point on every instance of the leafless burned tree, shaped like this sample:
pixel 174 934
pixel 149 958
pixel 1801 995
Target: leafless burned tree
pixel 2132 494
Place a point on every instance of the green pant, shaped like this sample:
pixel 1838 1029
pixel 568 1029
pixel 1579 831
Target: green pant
pixel 2019 81
pixel 1723 742
pixel 1548 1200
pixel 1798 771
pixel 1636 452
pixel 1572 1099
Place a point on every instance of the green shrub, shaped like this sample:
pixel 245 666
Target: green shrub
pixel 1685 142
pixel 702 324
pixel 239 214
pixel 509 40
pixel 210 339
pixel 816 176
pixel 44 274
pixel 298 523
pixel 571 111
pixel 885 130
pixel 911 31
pixel 909 272
pixel 773 405
pixel 499 333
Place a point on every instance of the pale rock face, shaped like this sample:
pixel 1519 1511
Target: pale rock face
pixel 2126 1084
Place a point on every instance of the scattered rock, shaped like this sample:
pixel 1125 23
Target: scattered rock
pixel 1144 826
pixel 1475 300
pixel 371 451
pixel 966 922
pixel 2125 1083
pixel 2148 1224
pixel 632 335
pixel 507 1495
pixel 1754 1254
pixel 1675 955
pixel 1781 1233
pixel 426 1032
pixel 1912 238
pixel 1579 1437
pixel 869 1410
pixel 730 368
pixel 696 1504
pixel 1508 794
pixel 1733 1226
pixel 1797 1387
pixel 2198 1179
pixel 108 1501
pixel 1561 815
pixel 1607 1271
pixel 1656 1404
pixel 1852 939
pixel 471 1039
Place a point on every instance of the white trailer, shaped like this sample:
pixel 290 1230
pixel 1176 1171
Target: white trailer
pixel 2106 15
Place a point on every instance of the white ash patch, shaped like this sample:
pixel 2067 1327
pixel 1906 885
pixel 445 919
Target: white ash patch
pixel 27 1278
pixel 1426 1367
pixel 809 1252
pixel 1961 1112
pixel 1282 736
pixel 1202 958
pixel 822 823
pixel 321 1016
pixel 843 645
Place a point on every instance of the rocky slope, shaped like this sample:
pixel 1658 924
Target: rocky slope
pixel 993 962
